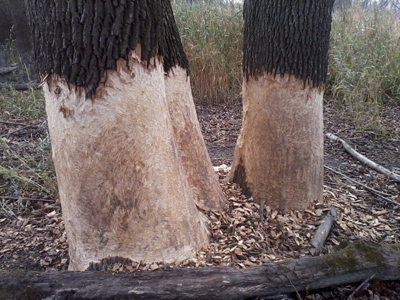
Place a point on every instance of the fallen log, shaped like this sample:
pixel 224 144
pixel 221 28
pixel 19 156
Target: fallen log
pixel 364 159
pixel 355 263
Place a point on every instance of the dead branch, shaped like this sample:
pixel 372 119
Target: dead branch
pixel 12 123
pixel 22 128
pixel 323 230
pixel 362 285
pixel 364 159
pixel 19 86
pixel 376 192
pixel 25 199
pixel 9 69
pixel 355 263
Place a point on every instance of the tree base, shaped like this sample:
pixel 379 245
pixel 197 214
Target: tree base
pixel 279 153
pixel 123 188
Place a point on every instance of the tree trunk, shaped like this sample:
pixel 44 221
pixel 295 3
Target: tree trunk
pixel 194 155
pixel 279 154
pixel 353 264
pixel 124 186
pixel 195 158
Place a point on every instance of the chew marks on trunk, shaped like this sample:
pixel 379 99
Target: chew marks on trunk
pixel 125 175
pixel 279 153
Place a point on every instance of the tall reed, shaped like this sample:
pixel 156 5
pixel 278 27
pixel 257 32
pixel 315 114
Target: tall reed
pixel 364 66
pixel 211 33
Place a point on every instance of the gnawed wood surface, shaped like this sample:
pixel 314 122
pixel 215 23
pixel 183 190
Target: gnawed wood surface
pixel 354 263
pixel 279 155
pixel 123 189
pixel 364 159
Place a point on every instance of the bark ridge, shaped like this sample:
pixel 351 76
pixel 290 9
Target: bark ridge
pixel 79 40
pixel 287 37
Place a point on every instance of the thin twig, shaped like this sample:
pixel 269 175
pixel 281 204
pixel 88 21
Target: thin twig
pixel 22 128
pixel 378 193
pixel 359 287
pixel 13 123
pixel 291 283
pixel 364 159
pixel 20 86
pixel 24 198
pixel 359 183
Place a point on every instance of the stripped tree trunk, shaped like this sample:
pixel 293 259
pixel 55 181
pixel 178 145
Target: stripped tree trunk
pixel 193 151
pixel 279 154
pixel 124 186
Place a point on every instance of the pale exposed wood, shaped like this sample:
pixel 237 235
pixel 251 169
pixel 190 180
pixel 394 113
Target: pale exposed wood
pixel 193 151
pixel 364 159
pixel 323 231
pixel 353 264
pixel 123 189
pixel 279 153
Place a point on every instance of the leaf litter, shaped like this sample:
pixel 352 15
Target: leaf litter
pixel 33 237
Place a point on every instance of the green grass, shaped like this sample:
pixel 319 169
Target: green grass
pixel 21 105
pixel 26 168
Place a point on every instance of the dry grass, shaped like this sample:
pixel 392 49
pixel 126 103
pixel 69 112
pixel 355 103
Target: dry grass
pixel 212 39
pixel 364 67
pixel 364 62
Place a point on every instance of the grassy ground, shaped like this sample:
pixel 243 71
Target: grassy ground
pixel 26 168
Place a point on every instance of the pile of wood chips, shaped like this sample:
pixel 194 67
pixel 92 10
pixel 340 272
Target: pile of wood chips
pixel 239 239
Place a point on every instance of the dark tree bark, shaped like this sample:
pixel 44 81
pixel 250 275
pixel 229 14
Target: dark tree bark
pixel 279 153
pixel 80 40
pixel 122 124
pixel 287 38
pixel 357 262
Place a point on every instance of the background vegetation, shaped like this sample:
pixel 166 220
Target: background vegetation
pixel 364 67
pixel 364 71
pixel 211 32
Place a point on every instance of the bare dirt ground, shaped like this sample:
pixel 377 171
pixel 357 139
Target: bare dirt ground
pixel 32 235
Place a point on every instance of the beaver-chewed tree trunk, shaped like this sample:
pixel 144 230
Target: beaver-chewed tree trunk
pixel 125 174
pixel 279 154
pixel 195 158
